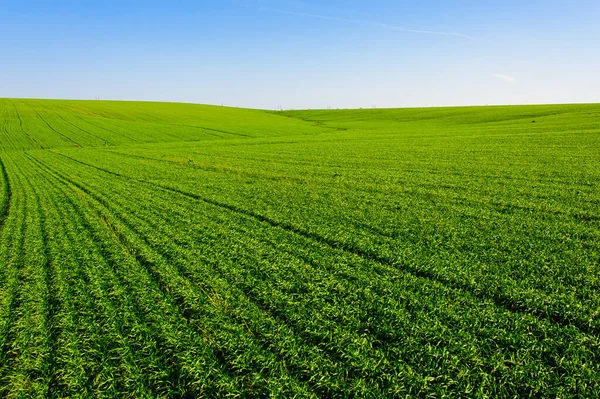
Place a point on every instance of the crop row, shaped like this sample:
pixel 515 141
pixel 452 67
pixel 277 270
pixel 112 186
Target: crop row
pixel 536 261
pixel 277 310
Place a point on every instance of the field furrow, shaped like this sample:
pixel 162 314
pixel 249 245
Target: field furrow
pixel 208 282
pixel 156 307
pixel 11 231
pixel 511 296
pixel 194 301
pixel 178 250
pixel 258 287
pixel 25 140
pixel 6 194
pixel 23 329
pixel 49 126
pixel 30 349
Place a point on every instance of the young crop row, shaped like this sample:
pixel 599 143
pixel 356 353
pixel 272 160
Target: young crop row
pixel 540 262
pixel 281 310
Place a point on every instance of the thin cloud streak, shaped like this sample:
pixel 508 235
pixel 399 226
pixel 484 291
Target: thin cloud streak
pixel 506 78
pixel 372 23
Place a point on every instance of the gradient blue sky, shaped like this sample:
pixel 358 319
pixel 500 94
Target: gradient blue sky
pixel 303 54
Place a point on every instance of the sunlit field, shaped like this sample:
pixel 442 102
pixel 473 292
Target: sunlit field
pixel 177 250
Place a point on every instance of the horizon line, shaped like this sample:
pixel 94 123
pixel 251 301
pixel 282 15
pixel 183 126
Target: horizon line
pixel 300 109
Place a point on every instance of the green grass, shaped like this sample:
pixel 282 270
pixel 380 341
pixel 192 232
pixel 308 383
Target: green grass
pixel 177 250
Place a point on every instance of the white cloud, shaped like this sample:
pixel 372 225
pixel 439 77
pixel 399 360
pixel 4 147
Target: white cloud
pixel 506 78
pixel 372 23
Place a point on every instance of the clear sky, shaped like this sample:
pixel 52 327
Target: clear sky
pixel 303 54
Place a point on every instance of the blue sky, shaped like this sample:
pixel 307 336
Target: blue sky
pixel 303 54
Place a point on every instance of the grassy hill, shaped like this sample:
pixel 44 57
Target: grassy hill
pixel 177 250
pixel 42 124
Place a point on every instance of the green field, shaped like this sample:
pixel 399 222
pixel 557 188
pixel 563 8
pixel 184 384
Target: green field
pixel 176 250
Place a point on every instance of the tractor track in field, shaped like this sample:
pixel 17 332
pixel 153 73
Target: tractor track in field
pixel 267 308
pixel 148 265
pixel 18 115
pixel 108 258
pixel 7 353
pixel 164 287
pixel 21 127
pixel 7 196
pixel 506 302
pixel 503 301
pixel 85 131
pixel 103 128
pixel 216 130
pixel 7 136
pixel 53 129
pixel 333 354
pixel 209 168
pixel 497 206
